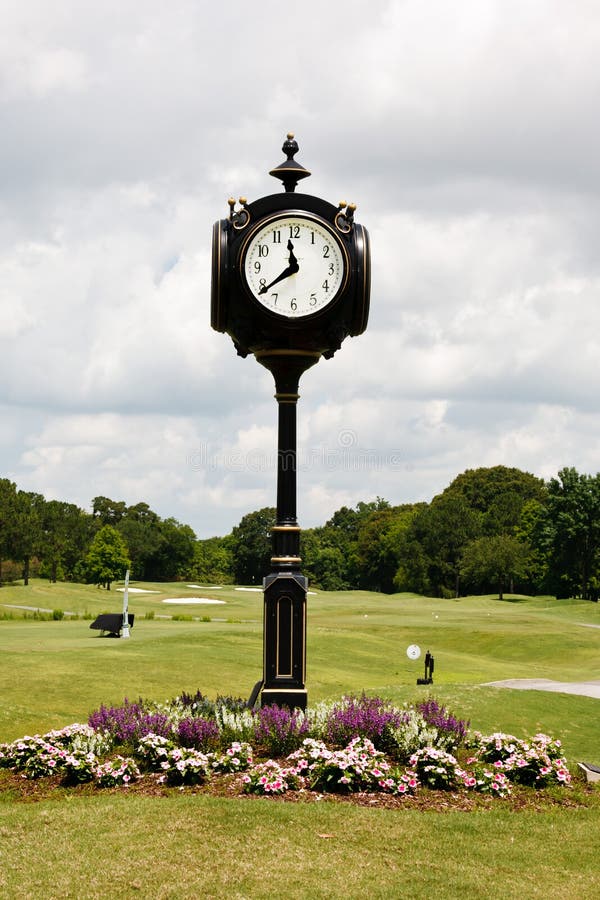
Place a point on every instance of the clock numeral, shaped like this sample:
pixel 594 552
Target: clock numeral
pixel 293 304
pixel 263 250
pixel 313 299
pixel 262 284
pixel 275 300
pixel 326 249
pixel 312 237
pixel 331 269
pixel 295 231
pixel 277 237
pixel 257 267
pixel 325 285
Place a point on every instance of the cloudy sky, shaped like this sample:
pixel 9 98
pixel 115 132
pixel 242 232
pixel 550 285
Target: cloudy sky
pixel 467 133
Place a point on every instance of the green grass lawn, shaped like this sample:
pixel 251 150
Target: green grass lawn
pixel 55 672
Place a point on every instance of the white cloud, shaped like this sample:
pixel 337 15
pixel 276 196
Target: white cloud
pixel 467 136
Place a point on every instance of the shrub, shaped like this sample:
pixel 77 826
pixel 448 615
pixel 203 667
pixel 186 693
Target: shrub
pixel 451 731
pixel 236 758
pixel 278 730
pixel 414 733
pixel 437 769
pixel 79 767
pixel 270 778
pixel 486 779
pixel 130 722
pixel 235 725
pixel 117 771
pixel 537 762
pixel 203 734
pixel 367 717
pixel 359 766
pixel 185 765
pixel 153 750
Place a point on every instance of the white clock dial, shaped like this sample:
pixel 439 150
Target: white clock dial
pixel 294 266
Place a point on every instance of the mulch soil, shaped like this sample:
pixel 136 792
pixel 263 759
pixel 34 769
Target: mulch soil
pixel 578 795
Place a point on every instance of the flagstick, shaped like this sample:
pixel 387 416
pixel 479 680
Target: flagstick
pixel 125 629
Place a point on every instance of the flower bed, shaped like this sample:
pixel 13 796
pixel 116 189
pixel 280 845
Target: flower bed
pixel 356 745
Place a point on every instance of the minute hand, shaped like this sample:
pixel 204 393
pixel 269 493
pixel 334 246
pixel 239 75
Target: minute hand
pixel 291 270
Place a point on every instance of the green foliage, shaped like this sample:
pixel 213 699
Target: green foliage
pixel 213 561
pixel 251 546
pixel 495 559
pixel 424 547
pixel 107 558
pixel 569 532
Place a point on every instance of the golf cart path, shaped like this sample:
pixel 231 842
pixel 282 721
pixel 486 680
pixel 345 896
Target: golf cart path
pixel 584 688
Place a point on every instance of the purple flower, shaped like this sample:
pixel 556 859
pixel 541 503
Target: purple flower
pixel 129 722
pixel 279 730
pixel 203 734
pixel 367 717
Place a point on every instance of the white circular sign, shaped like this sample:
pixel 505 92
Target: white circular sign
pixel 414 651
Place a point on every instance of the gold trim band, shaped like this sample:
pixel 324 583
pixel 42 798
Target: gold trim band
pixel 286 559
pixel 316 354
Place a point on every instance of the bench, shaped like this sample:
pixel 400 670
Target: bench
pixel 112 623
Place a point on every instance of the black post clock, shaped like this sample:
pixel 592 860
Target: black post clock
pixel 291 280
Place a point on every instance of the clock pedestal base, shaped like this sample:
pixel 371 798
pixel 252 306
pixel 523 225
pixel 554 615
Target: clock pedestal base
pixel 285 588
pixel 284 640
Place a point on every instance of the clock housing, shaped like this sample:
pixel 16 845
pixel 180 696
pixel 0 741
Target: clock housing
pixel 318 305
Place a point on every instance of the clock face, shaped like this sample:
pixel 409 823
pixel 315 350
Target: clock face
pixel 294 265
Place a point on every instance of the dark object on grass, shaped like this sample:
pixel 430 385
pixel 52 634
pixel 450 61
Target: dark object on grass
pixel 429 665
pixel 112 623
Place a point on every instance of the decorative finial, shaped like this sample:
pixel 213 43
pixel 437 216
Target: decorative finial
pixel 290 172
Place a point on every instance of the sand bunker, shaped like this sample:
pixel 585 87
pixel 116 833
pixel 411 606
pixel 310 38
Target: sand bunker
pixel 205 587
pixel 138 591
pixel 183 600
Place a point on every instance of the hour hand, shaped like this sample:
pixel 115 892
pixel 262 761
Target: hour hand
pixel 290 270
pixel 292 258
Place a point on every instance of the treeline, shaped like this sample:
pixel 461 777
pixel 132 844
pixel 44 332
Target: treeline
pixel 492 529
pixel 59 541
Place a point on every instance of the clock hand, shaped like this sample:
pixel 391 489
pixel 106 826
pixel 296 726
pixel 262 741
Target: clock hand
pixel 290 270
pixel 293 260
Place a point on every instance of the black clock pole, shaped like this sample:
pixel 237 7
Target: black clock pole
pixel 284 621
pixel 316 256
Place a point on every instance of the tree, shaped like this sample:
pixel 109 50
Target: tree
pixel 107 558
pixel 379 546
pixel 498 493
pixel 570 534
pixel 213 560
pixel 29 531
pixel 494 559
pixel 67 532
pixel 108 512
pixel 434 542
pixel 140 527
pixel 175 556
pixel 323 562
pixel 251 546
pixel 8 520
